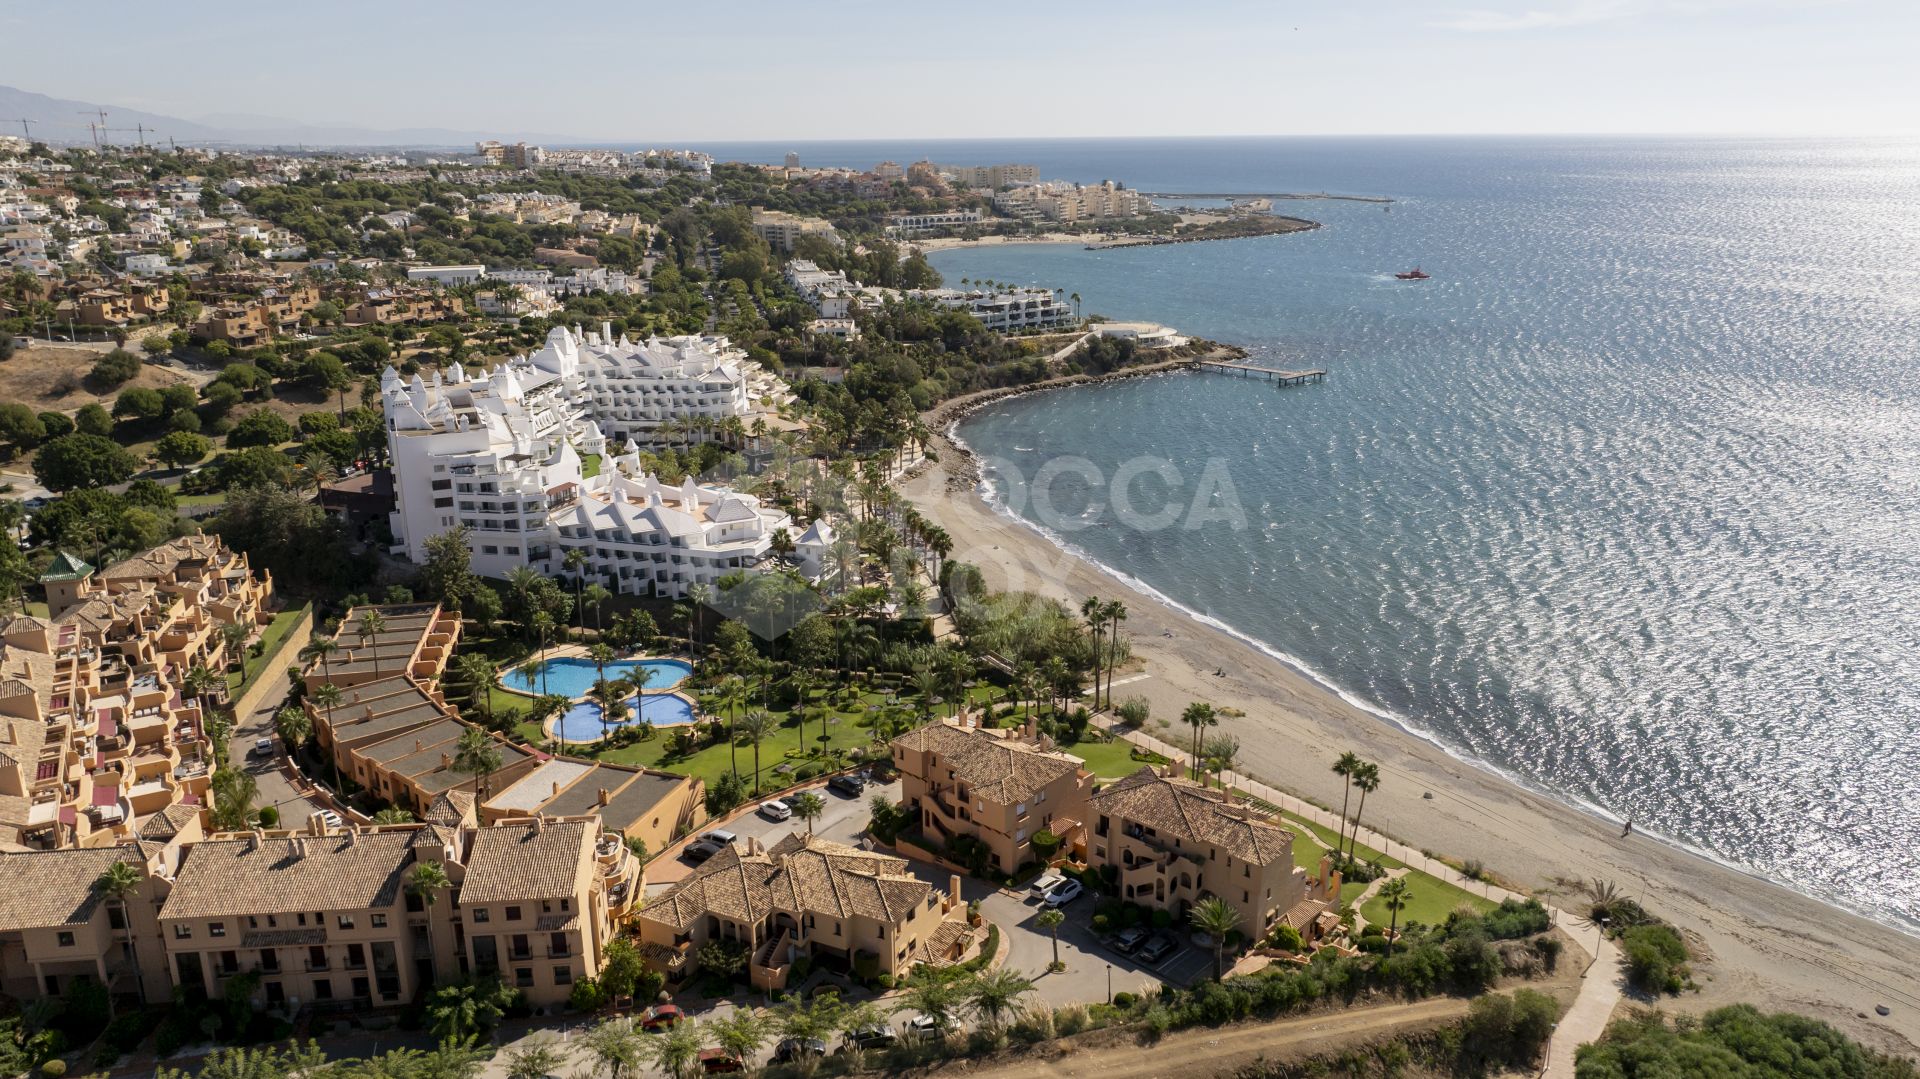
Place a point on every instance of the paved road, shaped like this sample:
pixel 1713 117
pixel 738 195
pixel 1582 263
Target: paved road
pixel 275 790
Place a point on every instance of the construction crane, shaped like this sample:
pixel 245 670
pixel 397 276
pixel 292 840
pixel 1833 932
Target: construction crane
pixel 26 126
pixel 96 128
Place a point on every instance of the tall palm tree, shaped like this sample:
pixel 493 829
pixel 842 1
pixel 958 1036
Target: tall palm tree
pixel 1367 778
pixel 699 597
pixel 601 655
pixel 1049 920
pixel 756 727
pixel 1199 716
pixel 1345 767
pixel 1116 613
pixel 542 627
pixel 322 649
pixel 1093 611
pixel 477 755
pixel 479 672
pixel 426 882
pixel 521 581
pixel 1396 896
pixel 327 697
pixel 808 806
pixel 293 726
pixel 1216 918
pixel 993 996
pixel 596 597
pixel 119 881
pixel 575 559
pixel 1220 752
pixel 372 623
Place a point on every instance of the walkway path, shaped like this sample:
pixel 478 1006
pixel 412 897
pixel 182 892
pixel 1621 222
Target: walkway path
pixel 1599 988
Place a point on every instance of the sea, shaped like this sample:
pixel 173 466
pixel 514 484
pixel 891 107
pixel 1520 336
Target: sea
pixel 1623 502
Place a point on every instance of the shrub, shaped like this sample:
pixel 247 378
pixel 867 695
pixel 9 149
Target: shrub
pixel 1072 1019
pixel 269 817
pixel 53 1069
pixel 1123 999
pixel 1286 937
pixel 1656 958
pixel 114 368
pixel 586 995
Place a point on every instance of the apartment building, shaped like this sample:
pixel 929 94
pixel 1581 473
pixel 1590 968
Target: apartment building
pixel 393 733
pixel 912 224
pixel 502 455
pixel 1056 201
pixel 277 309
pixel 1173 843
pixel 319 917
pixel 991 177
pixel 96 732
pixel 782 230
pixel 998 787
pixel 135 302
pixel 385 306
pixel 1007 310
pixel 843 908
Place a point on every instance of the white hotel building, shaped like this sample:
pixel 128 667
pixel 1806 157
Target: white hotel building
pixel 500 454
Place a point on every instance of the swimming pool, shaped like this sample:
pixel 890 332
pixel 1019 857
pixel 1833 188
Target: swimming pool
pixel 573 676
pixel 582 721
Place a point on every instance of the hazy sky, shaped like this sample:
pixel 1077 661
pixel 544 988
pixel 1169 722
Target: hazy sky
pixel 715 70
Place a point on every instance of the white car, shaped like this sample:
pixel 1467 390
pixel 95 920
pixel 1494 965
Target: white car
pixel 777 809
pixel 921 1028
pixel 1046 882
pixel 1065 892
pixel 263 747
pixel 331 819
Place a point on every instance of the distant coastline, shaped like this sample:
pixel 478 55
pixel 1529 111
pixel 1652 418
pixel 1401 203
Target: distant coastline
pixel 1205 226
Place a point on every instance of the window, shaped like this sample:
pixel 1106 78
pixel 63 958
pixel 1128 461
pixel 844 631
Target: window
pixel 490 549
pixel 183 932
pixel 563 975
pixel 513 914
pixel 479 915
pixel 523 977
pixel 65 939
pixel 216 929
pixel 346 921
pixel 379 921
pixel 252 922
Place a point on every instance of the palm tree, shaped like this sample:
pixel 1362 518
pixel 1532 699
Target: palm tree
pixel 1396 896
pixel 542 626
pixel 1220 752
pixel 293 726
pixel 756 727
pixel 1092 610
pixel 521 581
pixel 371 625
pixel 327 696
pixel 577 557
pixel 322 649
pixel 199 682
pixel 993 996
pixel 479 672
pixel 808 806
pixel 1368 780
pixel 1216 918
pixel 1116 613
pixel 425 883
pixel 1199 716
pixel 1049 920
pixel 477 755
pixel 119 881
pixel 596 596
pixel 699 597
pixel 936 994
pixel 1345 767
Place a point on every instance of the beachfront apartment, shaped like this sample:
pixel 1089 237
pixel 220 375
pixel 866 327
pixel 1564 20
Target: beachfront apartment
pixel 913 224
pixel 1172 843
pixel 1058 201
pixel 97 734
pixel 991 177
pixel 502 456
pixel 842 908
pixel 998 787
pixel 1013 310
pixel 322 917
pixel 393 733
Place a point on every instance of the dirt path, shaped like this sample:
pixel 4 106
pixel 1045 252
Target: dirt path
pixel 1226 1050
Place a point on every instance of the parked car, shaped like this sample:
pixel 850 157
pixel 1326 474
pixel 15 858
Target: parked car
pixel 921 1028
pixel 708 845
pixel 719 1062
pixel 874 1037
pixel 1128 941
pixel 851 784
pixel 263 747
pixel 1066 892
pixel 662 1017
pixel 1157 947
pixel 1046 882
pixel 792 1049
pixel 329 818
pixel 778 809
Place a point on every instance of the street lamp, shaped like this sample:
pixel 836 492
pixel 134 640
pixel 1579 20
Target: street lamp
pixel 1109 983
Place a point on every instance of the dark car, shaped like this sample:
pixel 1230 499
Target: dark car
pixel 719 1062
pixel 1157 947
pixel 852 784
pixel 875 1037
pixel 792 1049
pixel 1128 941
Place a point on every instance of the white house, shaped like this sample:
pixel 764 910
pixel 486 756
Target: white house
pixel 446 275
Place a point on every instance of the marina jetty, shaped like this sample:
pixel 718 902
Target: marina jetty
pixel 1269 374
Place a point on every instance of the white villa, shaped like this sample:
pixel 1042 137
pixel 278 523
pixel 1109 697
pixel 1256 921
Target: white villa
pixel 500 453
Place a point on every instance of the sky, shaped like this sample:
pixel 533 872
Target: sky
pixel 654 72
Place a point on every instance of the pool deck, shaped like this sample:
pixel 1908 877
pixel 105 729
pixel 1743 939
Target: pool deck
pixel 576 651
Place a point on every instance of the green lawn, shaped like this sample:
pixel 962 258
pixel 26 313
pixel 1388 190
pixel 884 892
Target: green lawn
pixel 1107 760
pixel 274 635
pixel 1432 899
pixel 589 465
pixel 217 498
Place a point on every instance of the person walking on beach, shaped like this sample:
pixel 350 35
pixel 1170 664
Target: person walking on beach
pixel 1628 830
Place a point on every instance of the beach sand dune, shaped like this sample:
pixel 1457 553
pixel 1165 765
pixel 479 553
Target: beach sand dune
pixel 1764 943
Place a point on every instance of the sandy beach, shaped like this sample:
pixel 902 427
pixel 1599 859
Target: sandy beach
pixel 1756 941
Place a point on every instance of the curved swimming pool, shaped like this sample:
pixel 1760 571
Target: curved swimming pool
pixel 573 676
pixel 581 723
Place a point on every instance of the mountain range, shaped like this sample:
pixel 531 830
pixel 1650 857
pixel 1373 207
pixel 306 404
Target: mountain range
pixel 63 121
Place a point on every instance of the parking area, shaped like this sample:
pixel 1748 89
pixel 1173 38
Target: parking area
pixel 842 822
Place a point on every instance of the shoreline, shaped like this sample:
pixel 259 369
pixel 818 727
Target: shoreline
pixel 1284 225
pixel 1758 941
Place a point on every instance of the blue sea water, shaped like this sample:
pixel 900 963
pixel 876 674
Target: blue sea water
pixel 1625 501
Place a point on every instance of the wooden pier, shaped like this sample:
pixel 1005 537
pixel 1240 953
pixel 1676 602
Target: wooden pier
pixel 1247 370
